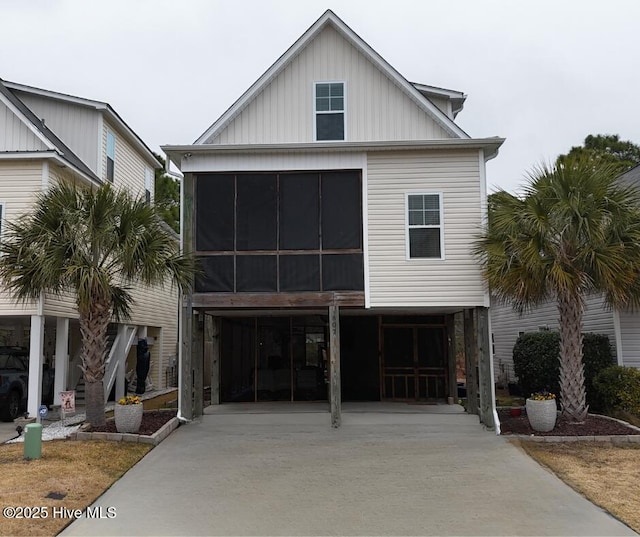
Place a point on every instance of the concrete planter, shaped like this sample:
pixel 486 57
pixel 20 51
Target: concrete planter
pixel 128 417
pixel 542 414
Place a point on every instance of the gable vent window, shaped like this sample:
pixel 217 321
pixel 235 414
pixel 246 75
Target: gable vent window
pixel 330 111
pixel 424 226
pixel 111 156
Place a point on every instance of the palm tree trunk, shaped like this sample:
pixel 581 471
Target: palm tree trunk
pixel 572 391
pixel 93 328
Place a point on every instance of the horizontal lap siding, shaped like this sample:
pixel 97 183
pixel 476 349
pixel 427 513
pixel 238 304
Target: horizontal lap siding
pixel 630 332
pixel 15 135
pixel 376 108
pixel 506 324
pixel 20 182
pixel 396 281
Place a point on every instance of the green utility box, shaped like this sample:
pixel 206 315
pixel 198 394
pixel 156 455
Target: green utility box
pixel 33 441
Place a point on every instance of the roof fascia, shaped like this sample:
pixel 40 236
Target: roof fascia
pixel 329 17
pixel 176 153
pixel 96 105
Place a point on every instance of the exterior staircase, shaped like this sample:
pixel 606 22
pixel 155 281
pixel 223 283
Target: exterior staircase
pixel 112 334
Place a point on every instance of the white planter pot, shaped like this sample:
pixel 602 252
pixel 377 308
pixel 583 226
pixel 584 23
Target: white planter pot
pixel 128 418
pixel 542 414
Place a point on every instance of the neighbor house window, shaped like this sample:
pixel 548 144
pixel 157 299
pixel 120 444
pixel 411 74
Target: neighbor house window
pixel 111 156
pixel 424 226
pixel 330 111
pixel 148 184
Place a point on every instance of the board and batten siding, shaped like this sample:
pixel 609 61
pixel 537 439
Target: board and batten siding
pixel 396 281
pixel 75 124
pixel 15 135
pixel 376 107
pixel 506 325
pixel 630 337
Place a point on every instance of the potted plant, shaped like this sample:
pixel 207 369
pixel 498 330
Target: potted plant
pixel 542 411
pixel 128 414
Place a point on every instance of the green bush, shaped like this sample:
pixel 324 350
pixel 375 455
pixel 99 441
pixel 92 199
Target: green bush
pixel 619 388
pixel 536 362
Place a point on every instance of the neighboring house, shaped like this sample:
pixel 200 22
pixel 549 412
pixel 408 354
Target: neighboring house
pixel 332 208
pixel 620 326
pixel 47 137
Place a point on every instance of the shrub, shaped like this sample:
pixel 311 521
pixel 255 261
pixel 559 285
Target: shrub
pixel 619 388
pixel 536 362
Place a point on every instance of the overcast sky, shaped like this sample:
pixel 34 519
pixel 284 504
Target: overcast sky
pixel 542 74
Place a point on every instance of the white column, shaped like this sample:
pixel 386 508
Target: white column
pixel 62 358
pixel 121 360
pixel 36 344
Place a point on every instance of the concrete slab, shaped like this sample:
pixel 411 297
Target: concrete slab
pixel 7 431
pixel 381 473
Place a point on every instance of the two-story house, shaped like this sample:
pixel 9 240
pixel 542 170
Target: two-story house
pixel 47 137
pixel 332 208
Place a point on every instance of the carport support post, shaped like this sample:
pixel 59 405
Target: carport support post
pixel 470 350
pixel 212 353
pixel 36 343
pixel 198 363
pixel 334 366
pixel 484 368
pixel 62 359
pixel 451 337
pixel 185 365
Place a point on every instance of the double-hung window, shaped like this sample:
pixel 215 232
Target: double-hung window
pixel 424 226
pixel 329 111
pixel 111 156
pixel 148 184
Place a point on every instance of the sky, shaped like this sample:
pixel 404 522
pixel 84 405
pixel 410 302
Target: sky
pixel 542 74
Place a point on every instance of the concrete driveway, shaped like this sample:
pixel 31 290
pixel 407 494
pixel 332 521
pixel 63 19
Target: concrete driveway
pixel 411 470
pixel 7 431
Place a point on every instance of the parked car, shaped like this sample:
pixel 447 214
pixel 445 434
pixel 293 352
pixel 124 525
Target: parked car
pixel 14 382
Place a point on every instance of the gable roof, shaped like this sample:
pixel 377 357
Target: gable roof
pixel 46 136
pixel 330 18
pixel 106 108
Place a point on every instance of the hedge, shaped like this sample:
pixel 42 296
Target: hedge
pixel 537 366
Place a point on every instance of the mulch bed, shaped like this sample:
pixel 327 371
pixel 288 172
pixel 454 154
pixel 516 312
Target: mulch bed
pixel 152 422
pixel 593 426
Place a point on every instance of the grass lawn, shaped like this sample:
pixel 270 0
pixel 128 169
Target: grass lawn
pixel 81 471
pixel 608 475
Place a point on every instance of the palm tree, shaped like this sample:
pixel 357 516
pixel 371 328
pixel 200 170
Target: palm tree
pixel 575 231
pixel 96 243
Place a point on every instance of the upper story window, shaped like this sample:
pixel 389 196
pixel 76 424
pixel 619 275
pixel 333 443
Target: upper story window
pixel 111 156
pixel 148 184
pixel 329 111
pixel 424 226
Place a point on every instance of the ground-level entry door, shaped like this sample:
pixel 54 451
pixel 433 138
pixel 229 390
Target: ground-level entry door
pixel 414 363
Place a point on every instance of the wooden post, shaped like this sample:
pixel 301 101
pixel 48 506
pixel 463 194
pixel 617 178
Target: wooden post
pixel 470 350
pixel 185 370
pixel 198 364
pixel 484 368
pixel 451 338
pixel 334 366
pixel 212 351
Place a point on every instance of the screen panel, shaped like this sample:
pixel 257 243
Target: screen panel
pixel 214 208
pixel 256 212
pixel 299 273
pixel 217 274
pixel 299 211
pixel 342 272
pixel 341 210
pixel 256 273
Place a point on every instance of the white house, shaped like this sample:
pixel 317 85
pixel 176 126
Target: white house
pixel 332 207
pixel 46 137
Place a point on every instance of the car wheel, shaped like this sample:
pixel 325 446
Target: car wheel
pixel 12 410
